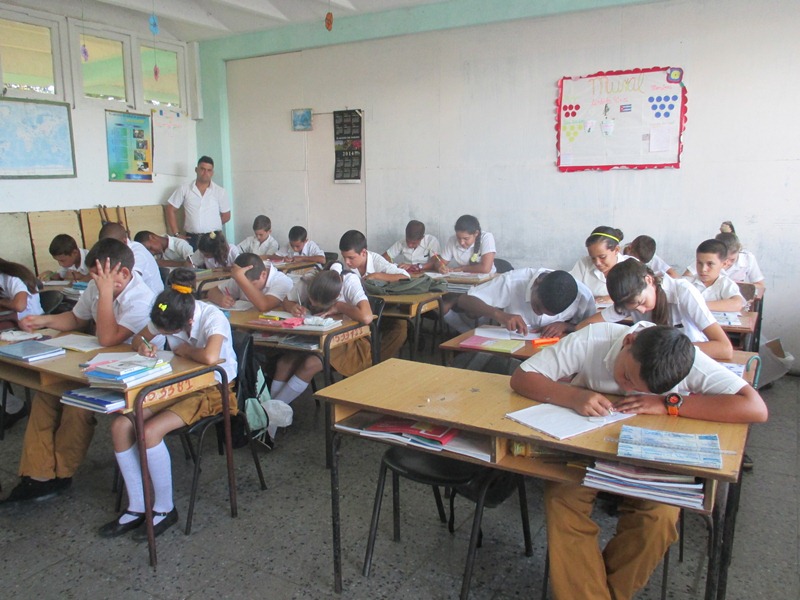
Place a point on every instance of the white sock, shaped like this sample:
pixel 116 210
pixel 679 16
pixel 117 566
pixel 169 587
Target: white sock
pixel 13 404
pixel 276 387
pixel 294 387
pixel 128 461
pixel 160 466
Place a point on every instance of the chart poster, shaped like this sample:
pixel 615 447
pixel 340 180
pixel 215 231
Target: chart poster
pixel 621 120
pixel 347 144
pixel 129 140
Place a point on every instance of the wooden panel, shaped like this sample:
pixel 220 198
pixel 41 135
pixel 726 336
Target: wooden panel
pixel 90 226
pixel 15 245
pixel 44 226
pixel 150 218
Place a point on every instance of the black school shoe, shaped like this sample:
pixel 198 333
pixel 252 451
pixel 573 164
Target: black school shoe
pixel 31 490
pixel 11 418
pixel 170 518
pixel 115 528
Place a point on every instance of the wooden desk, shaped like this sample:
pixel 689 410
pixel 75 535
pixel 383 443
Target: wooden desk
pixel 742 336
pixel 210 280
pixel 296 267
pixel 477 402
pixel 411 307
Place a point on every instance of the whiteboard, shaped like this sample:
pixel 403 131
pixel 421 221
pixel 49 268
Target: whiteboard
pixel 170 142
pixel 621 119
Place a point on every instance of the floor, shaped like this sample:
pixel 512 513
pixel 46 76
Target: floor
pixel 280 544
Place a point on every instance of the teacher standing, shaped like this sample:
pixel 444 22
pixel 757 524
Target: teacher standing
pixel 205 205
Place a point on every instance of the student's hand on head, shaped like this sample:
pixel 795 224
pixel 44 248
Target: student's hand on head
pixel 649 404
pixel 559 329
pixel 514 323
pixel 104 276
pixel 593 404
pixel 238 272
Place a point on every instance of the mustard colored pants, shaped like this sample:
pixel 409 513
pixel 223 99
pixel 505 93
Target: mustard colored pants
pixel 56 439
pixel 578 569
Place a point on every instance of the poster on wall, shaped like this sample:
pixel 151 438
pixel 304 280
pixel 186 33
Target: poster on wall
pixel 347 145
pixel 129 141
pixel 621 119
pixel 35 139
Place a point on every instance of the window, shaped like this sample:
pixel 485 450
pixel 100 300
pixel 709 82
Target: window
pixel 166 90
pixel 103 68
pixel 26 58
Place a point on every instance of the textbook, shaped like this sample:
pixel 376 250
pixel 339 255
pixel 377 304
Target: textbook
pixel 696 449
pixel 98 400
pixel 73 341
pixel 420 432
pixel 127 367
pixel 31 351
pixel 105 380
pixel 477 342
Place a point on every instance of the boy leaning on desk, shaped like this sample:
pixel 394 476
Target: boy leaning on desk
pixel 58 436
pixel 659 372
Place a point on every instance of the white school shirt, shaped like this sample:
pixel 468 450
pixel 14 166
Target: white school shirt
pixel 310 248
pixel 352 291
pixel 511 293
pixel 207 320
pixel 278 284
pixel 131 307
pixel 199 259
pixel 453 252
pixel 745 268
pixel 10 286
pixel 658 265
pixel 590 353
pixel 377 264
pixel 401 253
pixel 722 289
pixel 177 249
pixel 686 308
pixel 81 268
pixel 268 247
pixel 201 211
pixel 145 264
pixel 586 273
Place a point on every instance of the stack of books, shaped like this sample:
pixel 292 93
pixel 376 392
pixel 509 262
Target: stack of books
pixel 641 482
pixel 30 351
pixel 477 342
pixel 124 374
pixel 98 400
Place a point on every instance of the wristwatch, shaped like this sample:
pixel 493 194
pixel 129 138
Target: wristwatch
pixel 673 403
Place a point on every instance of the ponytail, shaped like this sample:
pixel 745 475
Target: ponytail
pixel 20 272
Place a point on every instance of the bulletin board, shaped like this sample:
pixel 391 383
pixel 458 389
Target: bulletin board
pixel 621 119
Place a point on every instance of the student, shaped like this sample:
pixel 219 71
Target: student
pixel 214 251
pixel 639 294
pixel 72 260
pixel 264 286
pixel 145 263
pixel 300 248
pixel 718 290
pixel 169 251
pixel 18 290
pixel 549 302
pixel 58 436
pixel 741 265
pixel 470 250
pixel 416 250
pixel 261 242
pixel 603 252
pixel 643 248
pixel 727 227
pixel 649 367
pixel 371 265
pixel 323 293
pixel 200 332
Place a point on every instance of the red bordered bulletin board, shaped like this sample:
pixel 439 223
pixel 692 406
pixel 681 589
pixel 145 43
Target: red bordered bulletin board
pixel 621 120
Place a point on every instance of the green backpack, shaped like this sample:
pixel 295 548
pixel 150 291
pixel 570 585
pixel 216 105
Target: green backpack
pixel 415 285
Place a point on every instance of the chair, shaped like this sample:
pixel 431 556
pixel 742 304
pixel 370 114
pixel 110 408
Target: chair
pixel 377 305
pixel 164 273
pixel 3 398
pixel 245 388
pixel 502 266
pixel 483 485
pixel 330 257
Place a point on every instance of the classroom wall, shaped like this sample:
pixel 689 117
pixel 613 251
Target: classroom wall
pixel 91 187
pixel 462 121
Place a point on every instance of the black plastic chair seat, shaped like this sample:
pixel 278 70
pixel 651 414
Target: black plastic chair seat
pixel 430 469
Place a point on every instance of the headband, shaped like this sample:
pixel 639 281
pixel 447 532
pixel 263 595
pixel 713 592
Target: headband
pixel 181 289
pixel 608 235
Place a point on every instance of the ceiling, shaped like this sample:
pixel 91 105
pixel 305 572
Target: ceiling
pixel 195 20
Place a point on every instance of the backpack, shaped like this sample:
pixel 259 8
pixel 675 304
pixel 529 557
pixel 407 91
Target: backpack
pixel 414 285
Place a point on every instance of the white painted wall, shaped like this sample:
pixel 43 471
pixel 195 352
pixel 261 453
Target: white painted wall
pixel 91 187
pixel 462 121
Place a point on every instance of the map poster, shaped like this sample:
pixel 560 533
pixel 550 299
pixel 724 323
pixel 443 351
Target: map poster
pixel 129 140
pixel 35 139
pixel 347 144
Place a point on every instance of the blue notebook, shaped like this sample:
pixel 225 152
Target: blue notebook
pixel 31 351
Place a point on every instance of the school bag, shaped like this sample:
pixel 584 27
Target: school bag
pixel 414 285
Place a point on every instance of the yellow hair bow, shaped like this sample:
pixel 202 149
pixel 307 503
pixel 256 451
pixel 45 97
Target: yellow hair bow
pixel 181 289
pixel 163 307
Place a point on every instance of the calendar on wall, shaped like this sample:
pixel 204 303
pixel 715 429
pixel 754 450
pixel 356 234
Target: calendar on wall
pixel 621 119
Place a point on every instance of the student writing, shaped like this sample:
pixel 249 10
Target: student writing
pixel 264 286
pixel 261 242
pixel 145 264
pixel 18 290
pixel 214 251
pixel 168 250
pixel 300 248
pixel 415 250
pixel 470 250
pixel 71 259
pixel 643 248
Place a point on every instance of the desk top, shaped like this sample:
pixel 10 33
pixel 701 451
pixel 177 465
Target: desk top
pixel 476 401
pixel 243 319
pixel 288 267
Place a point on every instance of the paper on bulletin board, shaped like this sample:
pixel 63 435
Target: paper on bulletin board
pixel 129 142
pixel 621 119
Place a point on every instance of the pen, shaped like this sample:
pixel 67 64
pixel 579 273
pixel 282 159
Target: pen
pixel 270 317
pixel 148 345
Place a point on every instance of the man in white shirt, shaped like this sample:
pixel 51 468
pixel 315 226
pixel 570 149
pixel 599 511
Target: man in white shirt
pixel 205 204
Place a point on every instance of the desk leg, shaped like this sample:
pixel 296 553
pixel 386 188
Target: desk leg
pixel 146 485
pixel 226 421
pixel 415 324
pixel 718 520
pixel 326 369
pixel 335 518
pixel 732 509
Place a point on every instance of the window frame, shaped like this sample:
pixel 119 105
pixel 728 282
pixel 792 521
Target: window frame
pixel 171 46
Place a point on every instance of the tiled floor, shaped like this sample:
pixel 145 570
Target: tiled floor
pixel 280 546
